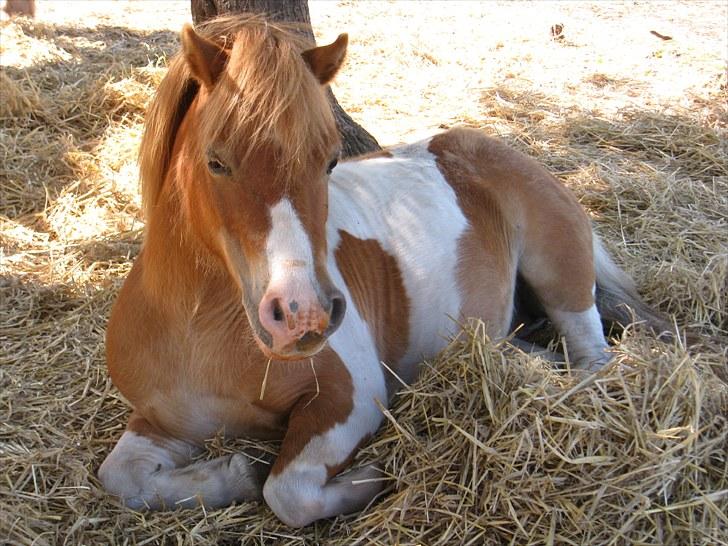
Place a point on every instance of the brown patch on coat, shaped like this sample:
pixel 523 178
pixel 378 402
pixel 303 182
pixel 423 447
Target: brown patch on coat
pixel 518 210
pixel 485 273
pixel 486 253
pixel 315 413
pixel 192 369
pixel 181 351
pixel 375 283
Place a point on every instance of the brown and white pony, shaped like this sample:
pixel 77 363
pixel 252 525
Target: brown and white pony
pixel 272 286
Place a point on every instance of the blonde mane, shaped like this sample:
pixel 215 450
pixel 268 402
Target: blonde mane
pixel 266 94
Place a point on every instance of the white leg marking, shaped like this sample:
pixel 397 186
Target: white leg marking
pixel 146 474
pixel 585 341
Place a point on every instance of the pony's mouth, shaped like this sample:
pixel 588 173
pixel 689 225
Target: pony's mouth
pixel 307 346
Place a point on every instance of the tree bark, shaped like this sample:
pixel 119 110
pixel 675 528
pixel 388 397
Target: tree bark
pixel 355 139
pixel 20 7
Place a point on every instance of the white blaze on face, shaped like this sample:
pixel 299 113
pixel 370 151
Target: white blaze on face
pixel 289 253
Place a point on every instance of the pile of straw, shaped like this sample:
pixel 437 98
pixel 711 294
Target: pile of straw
pixel 490 446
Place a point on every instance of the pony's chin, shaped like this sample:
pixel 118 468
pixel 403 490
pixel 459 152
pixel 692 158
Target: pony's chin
pixel 293 354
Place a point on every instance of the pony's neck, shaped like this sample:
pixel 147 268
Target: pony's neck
pixel 173 261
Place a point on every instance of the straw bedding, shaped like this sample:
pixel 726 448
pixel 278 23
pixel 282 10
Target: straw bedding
pixel 491 446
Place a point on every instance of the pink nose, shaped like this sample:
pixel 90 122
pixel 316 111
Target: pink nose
pixel 299 327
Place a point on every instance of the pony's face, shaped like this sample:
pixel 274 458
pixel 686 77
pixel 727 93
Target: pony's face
pixel 265 142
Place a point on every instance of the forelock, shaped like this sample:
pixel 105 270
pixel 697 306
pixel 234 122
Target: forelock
pixel 267 96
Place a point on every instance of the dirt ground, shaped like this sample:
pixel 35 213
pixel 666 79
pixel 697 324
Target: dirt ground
pixel 626 102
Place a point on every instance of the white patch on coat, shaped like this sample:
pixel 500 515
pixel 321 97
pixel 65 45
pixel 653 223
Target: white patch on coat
pixel 288 249
pixel 407 206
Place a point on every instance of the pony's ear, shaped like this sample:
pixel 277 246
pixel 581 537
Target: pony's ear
pixel 205 58
pixel 325 61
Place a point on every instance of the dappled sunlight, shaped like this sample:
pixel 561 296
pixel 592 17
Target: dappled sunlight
pixel 606 60
pixel 133 14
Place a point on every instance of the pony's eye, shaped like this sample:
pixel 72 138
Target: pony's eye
pixel 217 168
pixel 331 166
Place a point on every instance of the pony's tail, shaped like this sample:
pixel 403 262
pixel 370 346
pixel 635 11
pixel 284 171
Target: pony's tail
pixel 617 299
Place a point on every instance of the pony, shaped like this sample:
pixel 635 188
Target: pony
pixel 281 295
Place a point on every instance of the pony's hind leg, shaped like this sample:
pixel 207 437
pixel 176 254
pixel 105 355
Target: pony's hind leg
pixel 148 470
pixel 558 265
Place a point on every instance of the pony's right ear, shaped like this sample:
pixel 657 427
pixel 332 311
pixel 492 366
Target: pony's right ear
pixel 205 58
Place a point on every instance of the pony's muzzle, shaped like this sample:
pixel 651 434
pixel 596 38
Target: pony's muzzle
pixel 299 329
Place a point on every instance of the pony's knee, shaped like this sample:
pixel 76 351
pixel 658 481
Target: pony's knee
pixel 128 470
pixel 299 498
pixel 125 480
pixel 296 500
pixel 112 477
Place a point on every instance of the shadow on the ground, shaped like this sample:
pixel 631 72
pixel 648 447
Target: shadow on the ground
pixel 64 105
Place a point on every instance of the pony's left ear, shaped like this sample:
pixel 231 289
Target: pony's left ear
pixel 325 61
pixel 205 58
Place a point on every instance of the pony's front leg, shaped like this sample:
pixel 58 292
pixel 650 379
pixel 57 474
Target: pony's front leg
pixel 301 488
pixel 149 470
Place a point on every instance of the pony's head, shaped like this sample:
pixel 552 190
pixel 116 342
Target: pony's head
pixel 253 154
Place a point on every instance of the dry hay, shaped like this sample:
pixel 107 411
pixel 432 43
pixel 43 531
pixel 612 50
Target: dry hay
pixel 490 447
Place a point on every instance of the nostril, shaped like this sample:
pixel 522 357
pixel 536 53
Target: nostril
pixel 277 310
pixel 338 308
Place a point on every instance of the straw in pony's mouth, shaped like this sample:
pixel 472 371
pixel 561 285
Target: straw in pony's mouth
pixel 315 378
pixel 265 380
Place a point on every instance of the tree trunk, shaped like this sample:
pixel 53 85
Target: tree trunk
pixel 20 7
pixel 355 139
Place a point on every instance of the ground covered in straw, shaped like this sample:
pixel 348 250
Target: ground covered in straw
pixel 486 448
